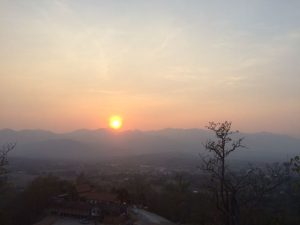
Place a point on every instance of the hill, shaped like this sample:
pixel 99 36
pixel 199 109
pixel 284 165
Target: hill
pixel 103 144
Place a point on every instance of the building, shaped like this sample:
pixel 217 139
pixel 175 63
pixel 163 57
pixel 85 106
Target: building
pixel 89 204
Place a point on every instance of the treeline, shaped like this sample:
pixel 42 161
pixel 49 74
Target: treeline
pixel 177 202
pixel 173 197
pixel 27 207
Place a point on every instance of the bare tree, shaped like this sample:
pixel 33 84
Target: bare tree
pixel 216 165
pixel 4 150
pixel 231 189
pixel 296 164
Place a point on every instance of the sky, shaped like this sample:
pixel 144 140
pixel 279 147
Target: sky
pixel 70 64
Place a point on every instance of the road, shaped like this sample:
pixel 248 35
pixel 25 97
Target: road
pixel 145 217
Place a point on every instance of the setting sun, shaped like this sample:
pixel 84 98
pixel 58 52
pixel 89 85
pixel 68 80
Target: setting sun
pixel 115 122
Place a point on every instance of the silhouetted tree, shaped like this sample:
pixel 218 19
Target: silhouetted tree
pixel 3 156
pixel 122 194
pixel 232 190
pixel 140 189
pixel 4 150
pixel 36 198
pixel 296 164
pixel 179 193
pixel 215 164
pixel 82 179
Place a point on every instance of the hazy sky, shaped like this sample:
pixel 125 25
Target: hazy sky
pixel 68 64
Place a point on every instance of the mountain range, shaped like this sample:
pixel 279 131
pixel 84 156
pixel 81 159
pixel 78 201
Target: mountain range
pixel 103 144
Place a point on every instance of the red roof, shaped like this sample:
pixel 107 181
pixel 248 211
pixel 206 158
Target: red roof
pixel 72 208
pixel 100 196
pixel 82 188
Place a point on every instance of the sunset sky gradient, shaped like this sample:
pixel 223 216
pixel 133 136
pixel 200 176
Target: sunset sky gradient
pixel 69 64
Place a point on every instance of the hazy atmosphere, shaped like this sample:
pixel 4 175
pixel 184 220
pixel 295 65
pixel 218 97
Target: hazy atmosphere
pixel 139 112
pixel 67 65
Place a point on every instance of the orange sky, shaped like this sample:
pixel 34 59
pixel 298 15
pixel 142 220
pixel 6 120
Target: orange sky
pixel 66 65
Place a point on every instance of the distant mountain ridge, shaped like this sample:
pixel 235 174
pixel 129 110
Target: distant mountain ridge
pixel 104 143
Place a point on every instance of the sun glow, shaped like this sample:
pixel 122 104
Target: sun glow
pixel 115 122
